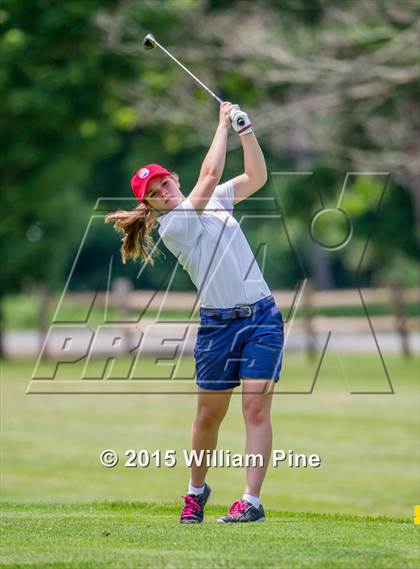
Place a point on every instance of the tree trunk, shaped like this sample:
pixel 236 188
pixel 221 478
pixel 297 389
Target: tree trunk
pixel 42 321
pixel 320 268
pixel 2 350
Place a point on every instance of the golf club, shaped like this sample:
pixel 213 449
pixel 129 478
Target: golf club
pixel 150 42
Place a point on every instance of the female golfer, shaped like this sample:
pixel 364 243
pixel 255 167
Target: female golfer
pixel 241 329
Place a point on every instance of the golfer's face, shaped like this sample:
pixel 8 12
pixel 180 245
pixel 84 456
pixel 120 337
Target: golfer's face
pixel 163 193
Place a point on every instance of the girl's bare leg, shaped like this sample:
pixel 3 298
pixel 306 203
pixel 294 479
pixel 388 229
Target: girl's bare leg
pixel 211 409
pixel 256 407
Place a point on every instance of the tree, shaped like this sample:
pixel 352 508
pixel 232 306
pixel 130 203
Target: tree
pixel 60 106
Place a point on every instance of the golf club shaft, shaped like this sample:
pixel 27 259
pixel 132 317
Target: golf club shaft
pixel 196 79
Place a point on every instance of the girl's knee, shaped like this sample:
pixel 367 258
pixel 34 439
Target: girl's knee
pixel 208 418
pixel 256 413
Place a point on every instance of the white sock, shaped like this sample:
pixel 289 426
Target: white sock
pixel 254 500
pixel 195 490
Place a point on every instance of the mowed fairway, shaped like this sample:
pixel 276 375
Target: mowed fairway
pixel 59 506
pixel 129 535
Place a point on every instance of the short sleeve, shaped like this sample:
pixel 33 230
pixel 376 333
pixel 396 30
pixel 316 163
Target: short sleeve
pixel 182 224
pixel 224 194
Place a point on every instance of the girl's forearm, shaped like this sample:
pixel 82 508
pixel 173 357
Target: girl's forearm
pixel 254 161
pixel 214 162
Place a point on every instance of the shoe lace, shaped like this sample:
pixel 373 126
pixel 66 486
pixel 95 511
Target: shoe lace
pixel 238 507
pixel 191 506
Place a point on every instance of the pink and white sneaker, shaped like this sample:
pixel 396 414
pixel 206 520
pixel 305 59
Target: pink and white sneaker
pixel 243 511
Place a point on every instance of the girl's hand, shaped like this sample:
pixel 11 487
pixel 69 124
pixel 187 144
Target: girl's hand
pixel 224 113
pixel 241 123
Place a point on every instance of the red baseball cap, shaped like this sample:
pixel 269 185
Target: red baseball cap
pixel 142 177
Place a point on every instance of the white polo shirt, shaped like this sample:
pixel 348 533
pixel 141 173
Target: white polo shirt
pixel 214 251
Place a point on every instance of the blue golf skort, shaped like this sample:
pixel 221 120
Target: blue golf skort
pixel 240 342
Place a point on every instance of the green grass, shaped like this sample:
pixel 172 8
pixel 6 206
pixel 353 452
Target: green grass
pixel 368 443
pixel 20 312
pixel 133 535
pixel 62 509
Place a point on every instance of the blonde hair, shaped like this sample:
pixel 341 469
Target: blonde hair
pixel 137 226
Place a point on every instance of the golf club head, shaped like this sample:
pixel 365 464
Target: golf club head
pixel 149 42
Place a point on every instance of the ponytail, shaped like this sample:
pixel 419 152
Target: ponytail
pixel 137 226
